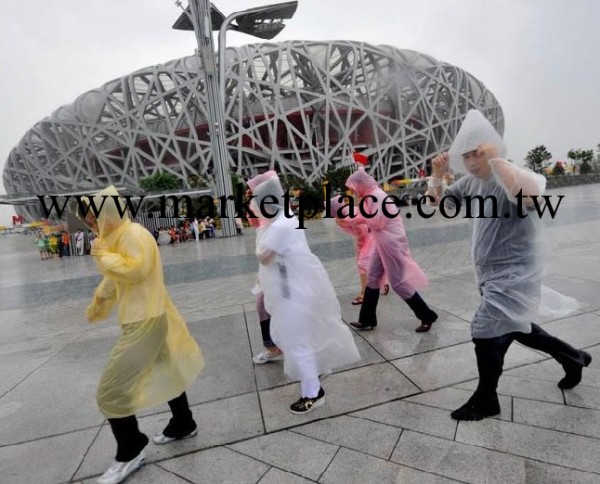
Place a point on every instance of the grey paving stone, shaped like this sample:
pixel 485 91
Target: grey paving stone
pixel 580 331
pixel 17 365
pixel 277 476
pixel 454 364
pixel 350 467
pixel 358 434
pixel 396 320
pixel 58 397
pixel 583 396
pixel 219 423
pixel 407 415
pixel 148 474
pixel 217 466
pixel 396 338
pixel 575 420
pixel 576 265
pixel 465 463
pixel 199 313
pixel 451 398
pixel 515 386
pixel 45 461
pixel 539 472
pixel 579 286
pixel 550 446
pixel 49 301
pixel 551 371
pixel 462 301
pixel 595 352
pixel 290 452
pixel 224 344
pixel 377 383
pixel 271 375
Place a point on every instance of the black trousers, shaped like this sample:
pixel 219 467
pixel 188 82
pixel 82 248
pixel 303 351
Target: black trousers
pixel 490 358
pixel 131 441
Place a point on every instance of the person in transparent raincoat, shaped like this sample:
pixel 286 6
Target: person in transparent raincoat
pixel 365 245
pixel 391 257
pixel 155 359
pixel 507 253
pixel 306 321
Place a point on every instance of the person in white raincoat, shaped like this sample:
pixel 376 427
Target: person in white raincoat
pixel 271 352
pixel 155 359
pixel 306 320
pixel 507 254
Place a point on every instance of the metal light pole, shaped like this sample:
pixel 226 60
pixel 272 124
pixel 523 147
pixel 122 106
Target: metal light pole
pixel 201 16
pixel 202 25
pixel 263 22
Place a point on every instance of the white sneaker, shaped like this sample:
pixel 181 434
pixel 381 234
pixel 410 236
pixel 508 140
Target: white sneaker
pixel 119 471
pixel 161 439
pixel 267 357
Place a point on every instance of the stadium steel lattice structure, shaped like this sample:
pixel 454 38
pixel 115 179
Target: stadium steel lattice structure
pixel 300 107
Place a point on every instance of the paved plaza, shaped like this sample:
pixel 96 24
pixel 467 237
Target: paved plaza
pixel 386 418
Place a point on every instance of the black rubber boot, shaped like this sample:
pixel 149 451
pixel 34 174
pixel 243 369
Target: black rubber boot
pixel 130 441
pixel 490 360
pixel 367 318
pixel 422 311
pixel 572 360
pixel 182 423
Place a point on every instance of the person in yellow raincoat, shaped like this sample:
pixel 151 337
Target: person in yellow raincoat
pixel 155 359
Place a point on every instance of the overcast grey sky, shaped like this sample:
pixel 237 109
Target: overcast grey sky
pixel 539 57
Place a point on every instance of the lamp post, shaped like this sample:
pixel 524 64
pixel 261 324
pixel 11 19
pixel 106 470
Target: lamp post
pixel 202 17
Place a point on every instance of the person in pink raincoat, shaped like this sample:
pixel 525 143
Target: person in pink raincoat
pixel 365 247
pixel 391 257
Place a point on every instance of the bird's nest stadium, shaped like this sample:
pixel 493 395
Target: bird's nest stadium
pixel 299 107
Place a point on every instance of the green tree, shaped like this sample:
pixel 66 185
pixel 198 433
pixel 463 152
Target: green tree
pixel 312 193
pixel 596 162
pixel 160 182
pixel 585 158
pixel 585 167
pixel 337 178
pixel 198 181
pixel 537 157
pixel 574 154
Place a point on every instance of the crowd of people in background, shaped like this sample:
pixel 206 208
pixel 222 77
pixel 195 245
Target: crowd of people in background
pixel 187 229
pixel 60 243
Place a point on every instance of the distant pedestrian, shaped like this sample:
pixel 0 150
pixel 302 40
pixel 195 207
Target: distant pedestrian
pixel 79 242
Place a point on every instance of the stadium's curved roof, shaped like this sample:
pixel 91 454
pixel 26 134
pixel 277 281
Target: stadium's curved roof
pixel 298 106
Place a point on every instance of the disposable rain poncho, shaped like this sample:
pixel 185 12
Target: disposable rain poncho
pixel 473 130
pixel 508 250
pixel 155 359
pixel 252 184
pixel 392 255
pixel 365 245
pixel 306 320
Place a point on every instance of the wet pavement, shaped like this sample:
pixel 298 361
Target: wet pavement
pixel 386 418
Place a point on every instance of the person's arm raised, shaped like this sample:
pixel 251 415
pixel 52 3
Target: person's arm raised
pixel 439 167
